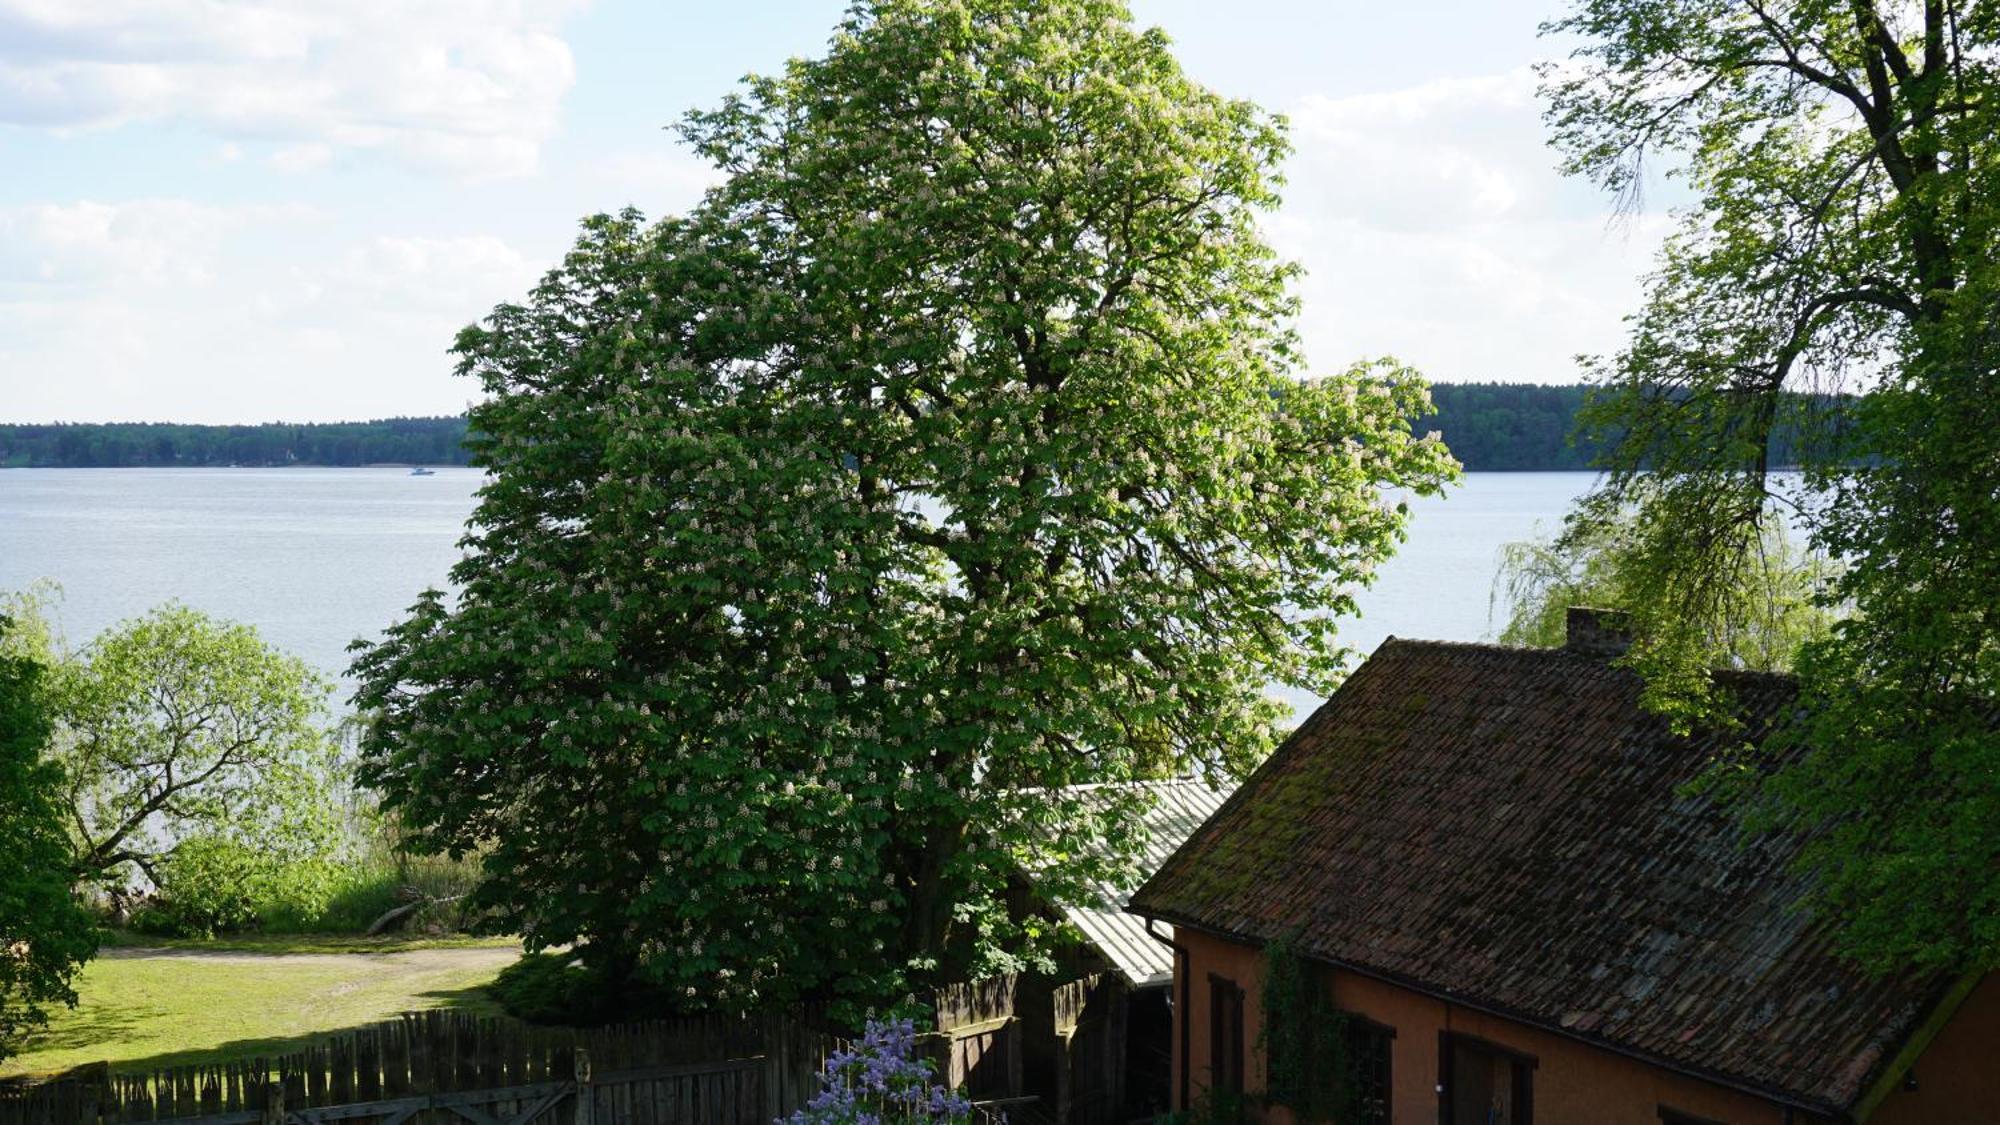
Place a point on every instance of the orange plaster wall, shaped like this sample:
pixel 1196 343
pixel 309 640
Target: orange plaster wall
pixel 1574 1082
pixel 1958 1076
pixel 1207 956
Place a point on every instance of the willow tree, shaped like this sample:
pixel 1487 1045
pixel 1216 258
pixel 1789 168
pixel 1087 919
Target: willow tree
pixel 953 452
pixel 1774 613
pixel 1840 265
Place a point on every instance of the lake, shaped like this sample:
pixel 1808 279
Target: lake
pixel 316 558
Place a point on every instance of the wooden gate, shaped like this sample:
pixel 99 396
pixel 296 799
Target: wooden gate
pixel 979 1036
pixel 1090 1050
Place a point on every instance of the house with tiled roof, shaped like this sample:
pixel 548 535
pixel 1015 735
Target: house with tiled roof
pixel 1491 860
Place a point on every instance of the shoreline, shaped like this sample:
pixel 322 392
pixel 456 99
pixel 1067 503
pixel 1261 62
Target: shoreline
pixel 434 466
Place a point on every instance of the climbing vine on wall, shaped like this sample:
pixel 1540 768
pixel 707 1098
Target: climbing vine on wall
pixel 1309 1066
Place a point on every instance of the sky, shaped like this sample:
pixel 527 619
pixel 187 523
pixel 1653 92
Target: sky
pixel 254 210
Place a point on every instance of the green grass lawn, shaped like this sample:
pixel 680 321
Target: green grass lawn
pixel 141 1008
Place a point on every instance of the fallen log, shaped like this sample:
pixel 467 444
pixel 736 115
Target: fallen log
pixel 393 917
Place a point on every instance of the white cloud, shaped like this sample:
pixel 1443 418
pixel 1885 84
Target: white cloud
pixel 460 276
pixel 1430 220
pixel 172 309
pixel 1433 226
pixel 137 244
pixel 470 86
pixel 301 157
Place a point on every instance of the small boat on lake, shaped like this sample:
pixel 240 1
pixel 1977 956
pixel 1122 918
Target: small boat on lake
pixel 420 471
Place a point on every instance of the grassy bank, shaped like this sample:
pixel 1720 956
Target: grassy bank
pixel 145 1007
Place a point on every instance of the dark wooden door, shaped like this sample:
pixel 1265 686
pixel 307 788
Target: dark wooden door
pixel 1480 1083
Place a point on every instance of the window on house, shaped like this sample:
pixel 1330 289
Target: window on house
pixel 1672 1116
pixel 1225 1035
pixel 1368 1049
pixel 1481 1083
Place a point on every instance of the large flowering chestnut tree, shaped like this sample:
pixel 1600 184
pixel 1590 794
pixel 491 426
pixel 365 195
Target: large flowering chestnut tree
pixel 954 451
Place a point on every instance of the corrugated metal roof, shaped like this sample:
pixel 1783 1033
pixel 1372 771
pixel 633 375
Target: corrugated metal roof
pixel 1179 807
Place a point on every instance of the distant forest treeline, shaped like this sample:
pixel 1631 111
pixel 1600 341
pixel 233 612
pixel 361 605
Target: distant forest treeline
pixel 1489 426
pixel 1493 427
pixel 420 441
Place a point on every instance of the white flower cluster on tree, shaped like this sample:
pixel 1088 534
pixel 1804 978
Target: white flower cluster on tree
pixel 951 454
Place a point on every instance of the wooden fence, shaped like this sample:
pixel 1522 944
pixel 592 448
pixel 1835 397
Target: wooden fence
pixel 1041 1052
pixel 1089 1017
pixel 1032 1052
pixel 429 1068
pixel 979 1033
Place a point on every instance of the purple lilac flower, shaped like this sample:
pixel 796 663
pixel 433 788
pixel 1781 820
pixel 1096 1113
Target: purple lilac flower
pixel 882 1081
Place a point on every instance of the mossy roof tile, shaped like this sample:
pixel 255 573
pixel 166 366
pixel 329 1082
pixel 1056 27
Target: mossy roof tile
pixel 1509 827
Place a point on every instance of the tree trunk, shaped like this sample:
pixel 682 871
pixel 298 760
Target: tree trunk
pixel 927 925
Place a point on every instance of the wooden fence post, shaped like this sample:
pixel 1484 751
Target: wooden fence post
pixel 586 1095
pixel 776 1056
pixel 274 1101
pixel 107 1098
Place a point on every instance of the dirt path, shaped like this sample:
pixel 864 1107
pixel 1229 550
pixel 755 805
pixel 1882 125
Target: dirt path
pixel 449 957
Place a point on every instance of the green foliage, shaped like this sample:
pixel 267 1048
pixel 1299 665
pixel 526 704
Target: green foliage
pixel 547 988
pixel 362 890
pixel 561 989
pixel 1488 427
pixel 372 875
pixel 216 883
pixel 44 933
pixel 952 452
pixel 1844 156
pixel 356 893
pixel 1774 608
pixel 212 884
pixel 1903 729
pixel 175 727
pixel 1510 426
pixel 427 441
pixel 1304 1040
pixel 1525 426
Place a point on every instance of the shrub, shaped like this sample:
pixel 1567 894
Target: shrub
pixel 211 884
pixel 566 990
pixel 208 885
pixel 372 877
pixel 356 894
pixel 546 988
pixel 882 1081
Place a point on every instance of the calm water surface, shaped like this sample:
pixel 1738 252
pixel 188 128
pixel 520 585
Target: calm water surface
pixel 316 558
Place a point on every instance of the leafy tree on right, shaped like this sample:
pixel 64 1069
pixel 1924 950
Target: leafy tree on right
pixel 1843 155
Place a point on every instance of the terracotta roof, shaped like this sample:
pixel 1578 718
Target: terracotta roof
pixel 1507 828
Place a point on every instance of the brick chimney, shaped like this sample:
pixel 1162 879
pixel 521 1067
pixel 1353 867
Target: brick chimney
pixel 1603 634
